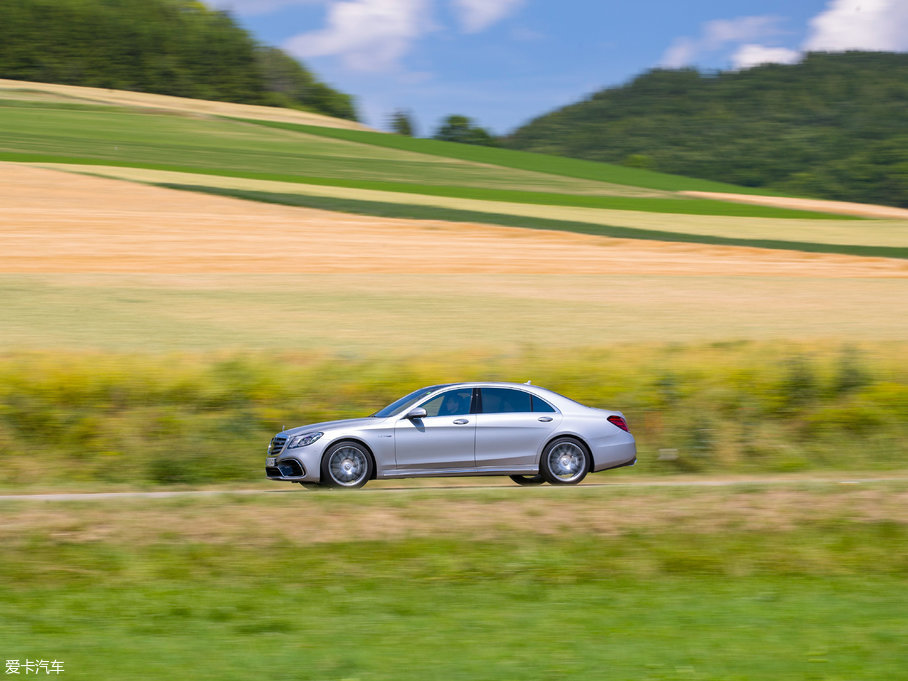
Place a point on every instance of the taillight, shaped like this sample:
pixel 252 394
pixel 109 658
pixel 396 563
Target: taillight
pixel 620 422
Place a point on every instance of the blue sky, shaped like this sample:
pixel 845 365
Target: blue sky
pixel 503 62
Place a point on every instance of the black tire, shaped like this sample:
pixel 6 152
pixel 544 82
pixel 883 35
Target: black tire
pixel 346 465
pixel 565 461
pixel 527 480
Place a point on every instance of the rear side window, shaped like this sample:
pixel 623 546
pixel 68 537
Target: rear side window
pixel 542 406
pixel 505 401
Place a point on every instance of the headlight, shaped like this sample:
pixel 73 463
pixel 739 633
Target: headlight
pixel 303 440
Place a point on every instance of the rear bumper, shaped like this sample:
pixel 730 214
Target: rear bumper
pixel 620 465
pixel 615 453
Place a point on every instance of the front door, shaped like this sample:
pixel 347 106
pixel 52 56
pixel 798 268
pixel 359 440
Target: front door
pixel 443 440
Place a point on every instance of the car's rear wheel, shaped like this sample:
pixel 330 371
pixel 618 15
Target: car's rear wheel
pixel 564 462
pixel 527 480
pixel 346 465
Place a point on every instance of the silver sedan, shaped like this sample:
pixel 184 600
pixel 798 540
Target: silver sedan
pixel 529 433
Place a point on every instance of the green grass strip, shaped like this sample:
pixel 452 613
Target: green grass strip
pixel 65 106
pixel 677 206
pixel 520 160
pixel 415 212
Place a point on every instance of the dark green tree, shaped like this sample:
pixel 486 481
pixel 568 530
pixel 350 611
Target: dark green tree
pixel 457 128
pixel 832 126
pixel 173 47
pixel 402 123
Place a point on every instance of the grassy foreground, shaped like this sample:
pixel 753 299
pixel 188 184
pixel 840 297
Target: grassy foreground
pixel 469 584
pixel 735 407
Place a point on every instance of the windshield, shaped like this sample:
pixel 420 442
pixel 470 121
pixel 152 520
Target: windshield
pixel 406 401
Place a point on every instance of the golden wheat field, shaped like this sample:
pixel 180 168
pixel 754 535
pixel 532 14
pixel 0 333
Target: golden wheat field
pixel 100 262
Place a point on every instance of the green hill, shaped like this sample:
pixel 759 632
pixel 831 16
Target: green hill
pixel 170 47
pixel 394 176
pixel 833 126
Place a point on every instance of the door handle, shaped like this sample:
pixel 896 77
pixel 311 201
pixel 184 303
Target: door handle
pixel 545 419
pixel 460 422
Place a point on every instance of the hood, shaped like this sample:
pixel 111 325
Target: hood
pixel 330 425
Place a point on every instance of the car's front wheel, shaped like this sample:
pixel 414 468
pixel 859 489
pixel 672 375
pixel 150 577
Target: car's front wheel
pixel 347 465
pixel 564 462
pixel 527 480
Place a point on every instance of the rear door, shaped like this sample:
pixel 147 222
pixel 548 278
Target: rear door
pixel 511 427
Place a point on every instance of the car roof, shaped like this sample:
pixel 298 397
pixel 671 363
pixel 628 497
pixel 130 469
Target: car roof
pixel 491 384
pixel 536 389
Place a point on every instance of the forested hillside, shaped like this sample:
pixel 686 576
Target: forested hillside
pixel 171 47
pixel 833 126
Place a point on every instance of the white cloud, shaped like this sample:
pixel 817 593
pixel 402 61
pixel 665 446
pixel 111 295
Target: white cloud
pixel 717 34
pixel 860 25
pixel 749 56
pixel 369 35
pixel 478 15
pixel 720 32
pixel 680 53
pixel 843 25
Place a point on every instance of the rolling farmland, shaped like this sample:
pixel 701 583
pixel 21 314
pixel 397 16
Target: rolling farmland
pixel 155 337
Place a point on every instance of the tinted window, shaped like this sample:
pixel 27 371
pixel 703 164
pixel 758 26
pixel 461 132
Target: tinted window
pixel 542 405
pixel 450 403
pixel 505 401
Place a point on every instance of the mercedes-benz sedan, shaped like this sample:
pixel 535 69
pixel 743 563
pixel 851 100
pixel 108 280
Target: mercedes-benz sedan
pixel 523 431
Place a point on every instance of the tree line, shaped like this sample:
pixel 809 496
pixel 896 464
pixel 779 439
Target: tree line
pixel 833 126
pixel 171 47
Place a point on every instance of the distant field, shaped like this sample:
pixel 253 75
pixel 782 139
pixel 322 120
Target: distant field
pixel 165 270
pixel 53 92
pixel 886 238
pixel 882 238
pixel 390 176
pixel 424 194
pixel 137 138
pixel 51 132
pixel 522 160
pixel 389 313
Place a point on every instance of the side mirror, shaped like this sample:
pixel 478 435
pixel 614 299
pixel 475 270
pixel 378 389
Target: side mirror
pixel 417 413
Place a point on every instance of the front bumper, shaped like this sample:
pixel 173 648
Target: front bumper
pixel 285 469
pixel 302 464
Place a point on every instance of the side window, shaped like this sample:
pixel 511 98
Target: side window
pixel 540 405
pixel 505 401
pixel 450 403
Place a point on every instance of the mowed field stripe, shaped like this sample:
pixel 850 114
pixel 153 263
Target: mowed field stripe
pixel 64 222
pixel 891 233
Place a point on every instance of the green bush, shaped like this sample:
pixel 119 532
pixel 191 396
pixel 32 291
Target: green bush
pixel 744 407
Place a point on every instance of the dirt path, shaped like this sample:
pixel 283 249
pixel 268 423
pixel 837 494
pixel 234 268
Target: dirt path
pixel 395 487
pixel 481 511
pixel 55 222
pixel 866 210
